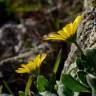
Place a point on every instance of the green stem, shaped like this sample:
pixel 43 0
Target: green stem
pixel 28 85
pixel 81 51
pixel 6 85
pixel 57 62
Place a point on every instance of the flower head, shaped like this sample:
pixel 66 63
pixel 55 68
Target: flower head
pixel 67 33
pixel 32 65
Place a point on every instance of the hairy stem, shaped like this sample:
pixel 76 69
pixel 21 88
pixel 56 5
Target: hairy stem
pixel 79 48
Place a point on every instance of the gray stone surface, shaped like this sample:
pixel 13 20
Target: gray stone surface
pixel 86 33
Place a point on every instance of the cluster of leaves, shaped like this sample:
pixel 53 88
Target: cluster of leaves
pixel 49 10
pixel 80 77
pixel 33 5
pixel 77 78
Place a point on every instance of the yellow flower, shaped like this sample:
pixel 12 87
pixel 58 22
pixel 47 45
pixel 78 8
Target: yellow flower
pixel 67 33
pixel 32 65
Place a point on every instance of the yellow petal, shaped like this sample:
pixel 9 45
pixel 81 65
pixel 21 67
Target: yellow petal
pixel 30 61
pixel 22 70
pixel 69 27
pixel 61 33
pixel 32 65
pixel 25 67
pixel 37 60
pixel 76 23
pixel 68 30
pixel 54 36
pixel 42 57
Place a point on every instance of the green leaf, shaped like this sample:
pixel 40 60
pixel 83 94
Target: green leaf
pixel 27 7
pixel 42 83
pixel 84 64
pixel 62 90
pixel 82 77
pixel 7 87
pixel 91 58
pixel 28 85
pixel 72 84
pixel 51 82
pixel 21 93
pixel 57 62
pixel 91 79
pixel 87 62
pixel 80 63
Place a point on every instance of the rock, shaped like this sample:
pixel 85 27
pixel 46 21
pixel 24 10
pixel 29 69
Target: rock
pixel 11 36
pixel 86 33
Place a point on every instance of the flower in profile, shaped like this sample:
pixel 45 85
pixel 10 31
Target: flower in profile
pixel 32 65
pixel 68 33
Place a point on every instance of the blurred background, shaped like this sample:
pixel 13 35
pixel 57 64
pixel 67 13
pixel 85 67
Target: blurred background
pixel 23 23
